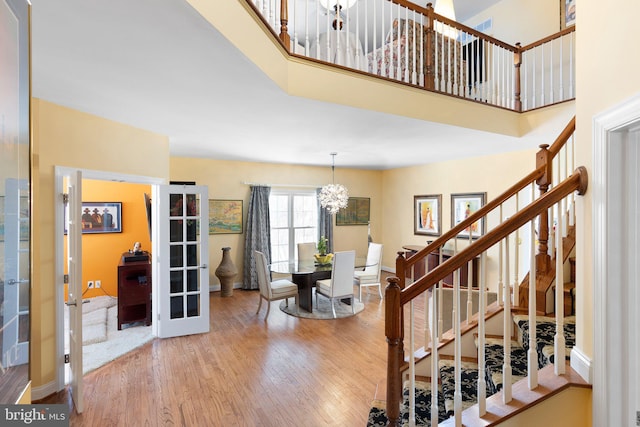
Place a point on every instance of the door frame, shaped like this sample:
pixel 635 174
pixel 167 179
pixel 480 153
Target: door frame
pixel 615 250
pixel 60 173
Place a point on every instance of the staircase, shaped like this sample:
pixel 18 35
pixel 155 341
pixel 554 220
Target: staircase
pixel 493 372
pixel 421 351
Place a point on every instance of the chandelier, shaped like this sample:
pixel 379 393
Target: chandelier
pixel 333 197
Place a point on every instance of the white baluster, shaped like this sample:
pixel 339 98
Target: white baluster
pixel 571 66
pixel 457 394
pixel 532 354
pixel 440 296
pixel 516 255
pixel 542 79
pixel 427 331
pixel 469 283
pixel 559 340
pixel 506 367
pixel 534 95
pixel 551 72
pixel 561 89
pixel 434 356
pixel 500 265
pixel 412 367
pixel 482 308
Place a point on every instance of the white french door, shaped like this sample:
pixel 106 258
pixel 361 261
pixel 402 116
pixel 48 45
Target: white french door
pixel 181 252
pixel 74 296
pixel 15 341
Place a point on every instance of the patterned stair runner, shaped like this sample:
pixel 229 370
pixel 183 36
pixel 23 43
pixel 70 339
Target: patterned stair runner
pixel 494 359
pixel 378 414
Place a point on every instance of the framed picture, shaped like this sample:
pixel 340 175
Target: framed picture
pixel 21 219
pixel 462 206
pixel 427 214
pixel 567 13
pixel 225 216
pixel 99 217
pixel 356 213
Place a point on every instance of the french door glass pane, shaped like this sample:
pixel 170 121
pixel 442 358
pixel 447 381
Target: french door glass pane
pixel 177 308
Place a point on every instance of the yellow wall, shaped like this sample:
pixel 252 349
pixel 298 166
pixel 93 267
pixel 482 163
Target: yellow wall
pixel 524 21
pixel 608 67
pixel 66 137
pixel 101 252
pixel 226 180
pixel 339 86
pixel 570 407
pixel 490 174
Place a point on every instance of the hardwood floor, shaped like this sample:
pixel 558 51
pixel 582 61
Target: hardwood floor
pixel 246 371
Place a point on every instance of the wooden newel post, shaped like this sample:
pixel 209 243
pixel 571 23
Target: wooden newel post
pixel 393 331
pixel 517 62
pixel 430 77
pixel 284 20
pixel 544 159
pixel 401 270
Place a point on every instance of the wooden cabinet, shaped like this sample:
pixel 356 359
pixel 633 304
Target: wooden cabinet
pixel 433 260
pixel 134 290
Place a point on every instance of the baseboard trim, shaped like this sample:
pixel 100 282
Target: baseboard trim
pixel 38 393
pixel 218 287
pixel 582 365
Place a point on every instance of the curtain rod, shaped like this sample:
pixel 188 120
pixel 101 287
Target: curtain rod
pixel 282 185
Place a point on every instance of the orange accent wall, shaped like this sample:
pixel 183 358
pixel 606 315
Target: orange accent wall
pixel 101 253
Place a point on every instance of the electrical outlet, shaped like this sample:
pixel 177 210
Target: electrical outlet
pixel 98 283
pixel 90 284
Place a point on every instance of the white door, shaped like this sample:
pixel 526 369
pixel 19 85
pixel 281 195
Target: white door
pixel 74 296
pixel 15 335
pixel 181 251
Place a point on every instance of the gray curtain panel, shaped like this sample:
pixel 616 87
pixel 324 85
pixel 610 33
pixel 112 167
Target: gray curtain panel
pixel 325 224
pixel 257 234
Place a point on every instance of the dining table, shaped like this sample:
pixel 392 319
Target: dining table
pixel 305 273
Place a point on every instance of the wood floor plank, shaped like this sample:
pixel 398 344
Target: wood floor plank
pixel 247 371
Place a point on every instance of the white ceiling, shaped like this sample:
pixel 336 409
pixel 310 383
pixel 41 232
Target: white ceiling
pixel 158 65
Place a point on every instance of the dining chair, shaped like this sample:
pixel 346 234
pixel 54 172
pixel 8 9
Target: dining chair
pixel 306 251
pixel 272 290
pixel 340 285
pixel 370 276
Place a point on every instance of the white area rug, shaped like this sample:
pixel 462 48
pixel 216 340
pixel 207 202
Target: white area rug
pixel 102 340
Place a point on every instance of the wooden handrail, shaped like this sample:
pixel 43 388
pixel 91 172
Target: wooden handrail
pixel 396 297
pixel 575 182
pixel 547 39
pixel 476 216
pixel 563 137
pixel 542 173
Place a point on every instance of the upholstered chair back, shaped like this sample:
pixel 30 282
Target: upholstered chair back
pixel 342 273
pixel 264 278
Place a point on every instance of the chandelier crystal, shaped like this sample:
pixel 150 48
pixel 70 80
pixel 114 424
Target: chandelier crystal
pixel 333 197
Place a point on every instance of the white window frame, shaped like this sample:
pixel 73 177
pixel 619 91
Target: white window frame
pixel 292 245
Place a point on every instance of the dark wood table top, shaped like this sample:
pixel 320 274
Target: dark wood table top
pixel 307 267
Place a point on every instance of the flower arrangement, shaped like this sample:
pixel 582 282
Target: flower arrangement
pixel 322 257
pixel 322 245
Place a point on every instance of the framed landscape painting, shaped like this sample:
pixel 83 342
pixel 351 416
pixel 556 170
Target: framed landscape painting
pixel 225 216
pixel 427 214
pixel 356 213
pixel 462 206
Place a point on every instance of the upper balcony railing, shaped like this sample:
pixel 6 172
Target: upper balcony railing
pixel 406 43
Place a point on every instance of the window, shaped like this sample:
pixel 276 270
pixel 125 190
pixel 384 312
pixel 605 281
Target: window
pixel 294 219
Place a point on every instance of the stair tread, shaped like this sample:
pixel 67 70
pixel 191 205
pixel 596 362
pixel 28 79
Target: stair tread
pixel 468 384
